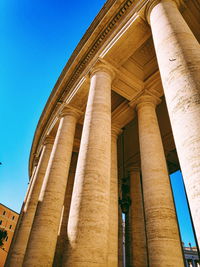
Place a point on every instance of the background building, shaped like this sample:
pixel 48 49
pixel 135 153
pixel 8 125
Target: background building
pixel 8 221
pixel 191 256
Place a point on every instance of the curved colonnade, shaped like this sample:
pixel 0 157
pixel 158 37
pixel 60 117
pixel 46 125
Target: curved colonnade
pixel 134 54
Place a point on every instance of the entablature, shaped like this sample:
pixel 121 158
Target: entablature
pixel 120 36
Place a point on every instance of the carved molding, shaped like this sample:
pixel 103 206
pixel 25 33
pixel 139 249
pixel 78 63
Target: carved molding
pixel 95 46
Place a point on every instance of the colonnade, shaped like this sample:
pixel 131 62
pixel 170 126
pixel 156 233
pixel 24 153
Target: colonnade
pixel 85 232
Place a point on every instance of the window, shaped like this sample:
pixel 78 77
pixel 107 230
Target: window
pixel 4 212
pixel 13 217
pixel 0 222
pixel 10 227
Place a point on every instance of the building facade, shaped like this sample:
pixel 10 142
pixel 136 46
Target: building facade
pixel 123 115
pixel 191 256
pixel 8 221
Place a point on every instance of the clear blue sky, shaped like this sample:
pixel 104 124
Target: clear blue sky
pixel 36 39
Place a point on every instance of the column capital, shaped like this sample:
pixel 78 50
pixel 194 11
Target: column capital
pixel 134 169
pixel 48 140
pixel 152 3
pixel 102 67
pixel 68 110
pixel 35 161
pixel 115 130
pixel 144 100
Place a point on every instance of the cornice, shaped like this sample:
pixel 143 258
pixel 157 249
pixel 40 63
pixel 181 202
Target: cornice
pixel 103 26
pixel 111 13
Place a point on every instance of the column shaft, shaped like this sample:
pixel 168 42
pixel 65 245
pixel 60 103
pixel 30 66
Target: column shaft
pixel 43 236
pixel 31 182
pixel 20 217
pixel 127 240
pixel 164 246
pixel 88 218
pixel 138 233
pixel 28 212
pixel 120 226
pixel 113 213
pixel 120 238
pixel 62 241
pixel 178 55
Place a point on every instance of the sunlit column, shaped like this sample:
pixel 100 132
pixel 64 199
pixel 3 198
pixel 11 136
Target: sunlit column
pixel 178 55
pixel 89 211
pixel 43 236
pixel 164 248
pixel 113 213
pixel 28 212
pixel 35 164
pixel 33 176
pixel 138 234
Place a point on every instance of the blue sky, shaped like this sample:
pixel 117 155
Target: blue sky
pixel 36 39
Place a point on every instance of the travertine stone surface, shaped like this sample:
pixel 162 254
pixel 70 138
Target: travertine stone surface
pixel 7 263
pixel 32 180
pixel 113 213
pixel 62 234
pixel 43 236
pixel 178 55
pixel 127 240
pixel 138 235
pixel 120 238
pixel 161 225
pixel 120 227
pixel 89 211
pixel 28 212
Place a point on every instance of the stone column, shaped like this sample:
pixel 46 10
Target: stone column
pixel 138 233
pixel 62 235
pixel 28 212
pixel 89 211
pixel 178 55
pixel 43 236
pixel 127 240
pixel 113 213
pixel 32 179
pixel 120 223
pixel 120 238
pixel 164 246
pixel 21 213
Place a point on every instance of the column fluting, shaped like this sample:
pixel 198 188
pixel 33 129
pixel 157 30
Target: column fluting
pixel 178 55
pixel 89 218
pixel 28 212
pixel 164 248
pixel 43 236
pixel 138 233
